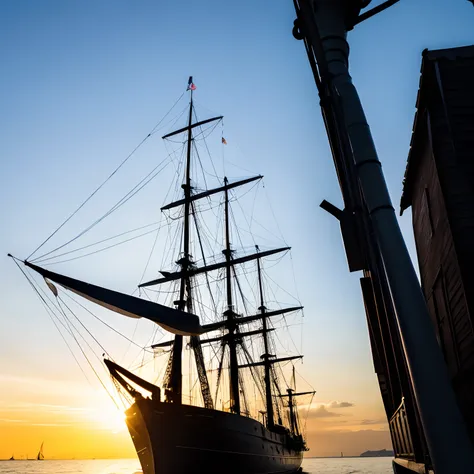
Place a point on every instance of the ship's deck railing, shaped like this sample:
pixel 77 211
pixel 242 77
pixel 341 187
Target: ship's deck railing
pixel 400 431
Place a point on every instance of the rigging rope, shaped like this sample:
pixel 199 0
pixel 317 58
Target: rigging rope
pixel 70 332
pixel 99 250
pixel 116 206
pixel 73 328
pixel 50 311
pixel 40 260
pixel 252 288
pixel 106 180
pixel 104 323
pixel 193 212
pixel 219 370
pixel 130 344
pixel 158 232
pixel 151 253
pixel 253 371
pixel 89 362
pixel 200 163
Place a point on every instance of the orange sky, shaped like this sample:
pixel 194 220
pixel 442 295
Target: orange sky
pixel 76 420
pixel 73 420
pixel 84 83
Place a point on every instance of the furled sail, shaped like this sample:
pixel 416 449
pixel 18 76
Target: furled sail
pixel 249 319
pixel 210 192
pixel 173 320
pixel 170 276
pixel 194 125
pixel 272 361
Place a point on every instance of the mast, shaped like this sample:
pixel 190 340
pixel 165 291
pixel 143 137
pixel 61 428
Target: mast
pixel 266 355
pixel 231 325
pixel 291 394
pixel 185 288
pixel 173 374
pixel 292 411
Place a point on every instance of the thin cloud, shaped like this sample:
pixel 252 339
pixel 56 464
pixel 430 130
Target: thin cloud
pixel 51 424
pixel 45 386
pixel 9 420
pixel 322 412
pixel 44 407
pixel 340 404
pixel 372 422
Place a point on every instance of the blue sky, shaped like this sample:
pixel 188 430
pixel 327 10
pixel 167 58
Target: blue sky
pixel 84 82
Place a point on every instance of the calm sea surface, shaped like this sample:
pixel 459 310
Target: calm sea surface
pixel 131 466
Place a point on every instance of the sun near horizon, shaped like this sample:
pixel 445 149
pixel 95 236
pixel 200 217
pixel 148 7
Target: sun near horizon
pixel 77 421
pixel 83 424
pixel 83 82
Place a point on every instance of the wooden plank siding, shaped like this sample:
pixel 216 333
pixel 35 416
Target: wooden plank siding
pixel 439 185
pixel 455 80
pixel 438 260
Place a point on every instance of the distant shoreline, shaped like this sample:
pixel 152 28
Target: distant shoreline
pixel 67 459
pixel 116 459
pixel 353 456
pixel 330 457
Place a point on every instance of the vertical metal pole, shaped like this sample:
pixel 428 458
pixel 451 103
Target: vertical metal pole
pixel 448 442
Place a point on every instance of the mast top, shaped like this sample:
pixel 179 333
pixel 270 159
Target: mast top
pixel 191 87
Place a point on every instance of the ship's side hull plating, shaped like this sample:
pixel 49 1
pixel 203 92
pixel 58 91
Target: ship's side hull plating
pixel 183 439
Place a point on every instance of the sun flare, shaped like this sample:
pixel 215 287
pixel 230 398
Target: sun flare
pixel 109 417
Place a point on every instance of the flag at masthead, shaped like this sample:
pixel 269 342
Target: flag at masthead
pixel 191 85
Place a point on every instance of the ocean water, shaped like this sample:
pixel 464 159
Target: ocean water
pixel 132 466
pixel 347 466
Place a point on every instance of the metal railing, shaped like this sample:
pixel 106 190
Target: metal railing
pixel 400 431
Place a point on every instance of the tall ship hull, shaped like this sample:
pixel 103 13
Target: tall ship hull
pixel 174 439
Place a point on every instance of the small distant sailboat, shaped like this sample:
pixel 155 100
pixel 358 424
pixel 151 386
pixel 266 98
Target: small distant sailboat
pixel 12 458
pixel 40 455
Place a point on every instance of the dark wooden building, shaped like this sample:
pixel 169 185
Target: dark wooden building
pixel 439 186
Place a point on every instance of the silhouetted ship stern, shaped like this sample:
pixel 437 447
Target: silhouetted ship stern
pixel 183 439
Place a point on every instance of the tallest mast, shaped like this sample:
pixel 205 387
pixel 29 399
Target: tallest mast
pixel 173 375
pixel 187 185
pixel 185 261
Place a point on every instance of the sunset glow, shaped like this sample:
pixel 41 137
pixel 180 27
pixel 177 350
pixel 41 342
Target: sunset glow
pixel 82 84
